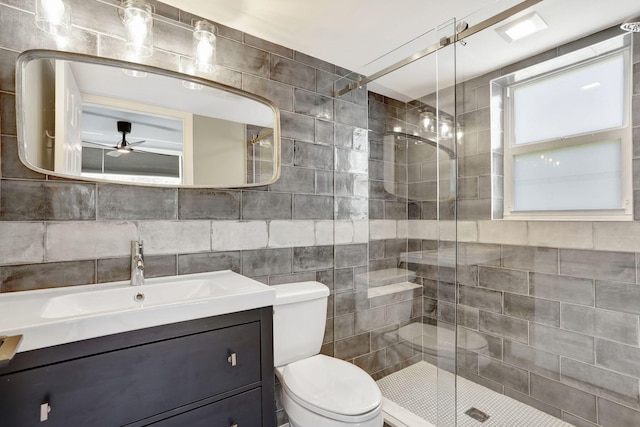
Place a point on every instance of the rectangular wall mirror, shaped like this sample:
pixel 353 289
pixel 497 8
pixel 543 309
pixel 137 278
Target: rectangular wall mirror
pixel 106 120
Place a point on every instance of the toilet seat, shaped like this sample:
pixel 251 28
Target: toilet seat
pixel 332 388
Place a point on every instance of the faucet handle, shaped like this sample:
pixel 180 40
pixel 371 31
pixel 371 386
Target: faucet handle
pixel 136 247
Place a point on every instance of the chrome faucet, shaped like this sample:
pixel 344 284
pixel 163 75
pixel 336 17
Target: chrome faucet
pixel 137 263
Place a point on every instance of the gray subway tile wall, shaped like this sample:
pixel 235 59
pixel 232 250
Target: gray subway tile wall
pixel 26 200
pixel 564 397
pixel 117 202
pixel 198 203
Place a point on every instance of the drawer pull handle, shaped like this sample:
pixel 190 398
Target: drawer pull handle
pixel 233 360
pixel 44 412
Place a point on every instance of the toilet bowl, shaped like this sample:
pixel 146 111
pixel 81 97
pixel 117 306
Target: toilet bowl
pixel 317 390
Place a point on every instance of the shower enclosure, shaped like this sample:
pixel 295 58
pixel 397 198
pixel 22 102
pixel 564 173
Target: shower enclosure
pixel 473 311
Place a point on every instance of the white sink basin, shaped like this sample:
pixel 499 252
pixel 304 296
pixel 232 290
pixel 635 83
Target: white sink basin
pixel 56 316
pixel 128 297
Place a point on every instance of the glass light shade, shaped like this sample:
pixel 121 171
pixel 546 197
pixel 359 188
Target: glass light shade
pixel 138 23
pixel 427 121
pixel 446 129
pixel 52 15
pixel 204 47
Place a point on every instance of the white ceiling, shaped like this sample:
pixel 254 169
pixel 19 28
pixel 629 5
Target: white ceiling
pixel 354 33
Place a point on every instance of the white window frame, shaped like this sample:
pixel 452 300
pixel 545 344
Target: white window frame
pixel 622 133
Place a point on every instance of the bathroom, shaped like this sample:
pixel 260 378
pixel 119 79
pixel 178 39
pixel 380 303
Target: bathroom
pixel 335 215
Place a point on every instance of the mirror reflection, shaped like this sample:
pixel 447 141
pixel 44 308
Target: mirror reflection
pixel 103 119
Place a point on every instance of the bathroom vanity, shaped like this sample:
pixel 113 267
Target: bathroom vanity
pixel 214 370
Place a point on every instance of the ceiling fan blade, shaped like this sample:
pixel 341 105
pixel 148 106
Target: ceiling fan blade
pixel 135 142
pixel 98 144
pixel 152 151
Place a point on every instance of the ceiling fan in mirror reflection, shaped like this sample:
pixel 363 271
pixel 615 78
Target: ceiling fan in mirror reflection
pixel 123 146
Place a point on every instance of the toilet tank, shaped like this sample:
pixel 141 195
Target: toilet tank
pixel 299 318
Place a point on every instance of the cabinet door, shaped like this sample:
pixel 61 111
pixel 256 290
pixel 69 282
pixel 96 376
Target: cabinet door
pixel 242 410
pixel 123 386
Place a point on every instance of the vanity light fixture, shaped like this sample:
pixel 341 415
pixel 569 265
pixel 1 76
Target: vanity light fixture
pixel 522 27
pixel 137 17
pixel 204 47
pixel 53 15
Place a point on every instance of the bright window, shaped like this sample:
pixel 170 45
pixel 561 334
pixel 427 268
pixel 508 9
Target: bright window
pixel 567 139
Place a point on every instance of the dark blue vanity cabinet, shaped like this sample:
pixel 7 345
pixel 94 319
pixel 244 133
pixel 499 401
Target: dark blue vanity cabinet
pixel 216 371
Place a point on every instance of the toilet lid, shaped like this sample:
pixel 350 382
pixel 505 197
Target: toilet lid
pixel 332 385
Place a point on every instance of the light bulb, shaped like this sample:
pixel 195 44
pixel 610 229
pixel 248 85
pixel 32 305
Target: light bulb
pixel 426 120
pixel 138 23
pixel 204 56
pixel 54 10
pixel 137 30
pixel 204 47
pixel 52 15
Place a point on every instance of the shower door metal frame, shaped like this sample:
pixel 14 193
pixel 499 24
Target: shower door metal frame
pixel 458 36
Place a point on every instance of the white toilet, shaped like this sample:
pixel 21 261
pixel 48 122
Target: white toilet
pixel 317 390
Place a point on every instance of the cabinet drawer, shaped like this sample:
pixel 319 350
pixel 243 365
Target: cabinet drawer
pixel 123 386
pixel 243 410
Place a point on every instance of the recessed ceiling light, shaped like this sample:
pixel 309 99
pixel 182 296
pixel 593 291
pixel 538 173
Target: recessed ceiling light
pixel 522 27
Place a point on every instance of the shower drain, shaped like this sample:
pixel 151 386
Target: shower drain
pixel 477 414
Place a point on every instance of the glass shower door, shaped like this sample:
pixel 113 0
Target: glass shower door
pixel 404 302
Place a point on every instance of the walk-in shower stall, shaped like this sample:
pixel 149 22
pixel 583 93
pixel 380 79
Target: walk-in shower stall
pixel 499 185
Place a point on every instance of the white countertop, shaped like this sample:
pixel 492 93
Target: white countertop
pixel 56 316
